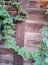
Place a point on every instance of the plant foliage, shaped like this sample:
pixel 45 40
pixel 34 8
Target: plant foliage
pixel 6 29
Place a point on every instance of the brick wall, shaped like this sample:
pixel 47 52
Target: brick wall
pixel 34 21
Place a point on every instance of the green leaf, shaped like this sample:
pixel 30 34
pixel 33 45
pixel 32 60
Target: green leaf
pixel 19 18
pixel 16 48
pixel 46 11
pixel 23 11
pixel 47 43
pixel 10 43
pixel 1 37
pixel 1 22
pixel 3 12
pixel 40 63
pixel 46 60
pixel 37 63
pixel 17 4
pixel 22 52
pixel 44 29
pixel 46 52
pixel 1 1
pixel 19 7
pixel 30 55
pixel 8 20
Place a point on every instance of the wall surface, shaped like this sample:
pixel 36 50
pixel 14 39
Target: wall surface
pixel 34 21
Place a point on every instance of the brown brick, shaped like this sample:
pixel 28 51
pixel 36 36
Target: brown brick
pixel 37 17
pixel 33 36
pixel 35 10
pixel 38 3
pixel 33 4
pixel 6 51
pixel 6 61
pixel 6 57
pixel 30 27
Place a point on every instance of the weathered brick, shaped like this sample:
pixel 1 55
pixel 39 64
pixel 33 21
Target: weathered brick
pixel 35 11
pixel 37 3
pixel 6 51
pixel 30 27
pixel 6 61
pixel 6 64
pixel 33 4
pixel 6 57
pixel 37 17
pixel 33 37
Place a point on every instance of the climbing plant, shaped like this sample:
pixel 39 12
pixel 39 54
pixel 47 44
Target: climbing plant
pixel 6 27
pixel 6 30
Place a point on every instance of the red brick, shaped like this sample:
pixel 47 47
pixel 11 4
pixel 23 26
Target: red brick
pixel 38 3
pixel 30 27
pixel 6 61
pixel 37 17
pixel 33 4
pixel 6 51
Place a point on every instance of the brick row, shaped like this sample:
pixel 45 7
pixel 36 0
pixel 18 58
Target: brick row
pixel 6 57
pixel 6 51
pixel 37 3
pixel 6 64
pixel 33 27
pixel 33 35
pixel 37 22
pixel 6 61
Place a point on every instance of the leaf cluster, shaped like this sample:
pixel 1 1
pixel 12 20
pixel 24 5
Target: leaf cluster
pixel 43 58
pixel 6 28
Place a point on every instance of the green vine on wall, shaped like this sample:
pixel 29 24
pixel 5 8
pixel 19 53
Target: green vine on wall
pixel 6 27
pixel 6 30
